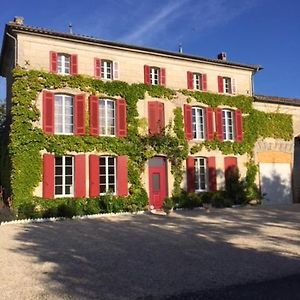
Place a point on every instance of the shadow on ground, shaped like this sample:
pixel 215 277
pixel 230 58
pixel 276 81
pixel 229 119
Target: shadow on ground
pixel 154 257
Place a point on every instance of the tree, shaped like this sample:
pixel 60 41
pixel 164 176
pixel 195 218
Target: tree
pixel 2 112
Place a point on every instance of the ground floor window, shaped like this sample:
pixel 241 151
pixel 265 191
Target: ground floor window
pixel 64 176
pixel 107 174
pixel 200 164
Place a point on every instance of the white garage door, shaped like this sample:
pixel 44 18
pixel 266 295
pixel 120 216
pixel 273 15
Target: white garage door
pixel 275 180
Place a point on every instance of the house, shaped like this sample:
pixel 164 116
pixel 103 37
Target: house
pixel 90 116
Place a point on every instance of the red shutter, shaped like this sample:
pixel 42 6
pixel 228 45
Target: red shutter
pixel 219 124
pixel 122 175
pixel 53 62
pixel 48 112
pixel 74 67
pixel 160 114
pixel 121 118
pixel 147 75
pixel 230 166
pixel 94 175
pixel 204 82
pixel 190 174
pixel 97 67
pixel 80 176
pixel 212 174
pixel 190 80
pixel 209 124
pixel 220 84
pixel 79 114
pixel 48 176
pixel 188 122
pixel 152 117
pixel 162 76
pixel 238 126
pixel 94 115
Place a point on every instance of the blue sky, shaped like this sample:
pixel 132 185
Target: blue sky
pixel 264 32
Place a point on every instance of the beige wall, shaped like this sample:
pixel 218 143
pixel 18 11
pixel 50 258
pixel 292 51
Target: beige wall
pixel 34 54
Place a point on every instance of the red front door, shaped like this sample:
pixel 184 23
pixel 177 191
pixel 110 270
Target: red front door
pixel 157 181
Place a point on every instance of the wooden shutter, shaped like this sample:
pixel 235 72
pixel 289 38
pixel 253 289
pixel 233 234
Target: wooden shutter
pixel 121 118
pixel 212 174
pixel 233 86
pixel 74 64
pixel 188 128
pixel 190 80
pixel 97 67
pixel 220 84
pixel 238 125
pixel 160 115
pixel 230 167
pixel 122 175
pixel 48 176
pixel 162 76
pixel 152 117
pixel 79 114
pixel 80 176
pixel 116 70
pixel 219 124
pixel 94 175
pixel 209 123
pixel 94 115
pixel 147 75
pixel 48 112
pixel 204 82
pixel 53 62
pixel 190 174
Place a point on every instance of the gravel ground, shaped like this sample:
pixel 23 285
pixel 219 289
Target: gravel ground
pixel 148 256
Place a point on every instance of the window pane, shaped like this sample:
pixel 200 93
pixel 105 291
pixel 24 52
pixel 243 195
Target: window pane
pixel 58 170
pixel 156 181
pixel 58 180
pixel 69 179
pixel 58 190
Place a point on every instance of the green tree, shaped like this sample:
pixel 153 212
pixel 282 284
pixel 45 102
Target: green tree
pixel 2 112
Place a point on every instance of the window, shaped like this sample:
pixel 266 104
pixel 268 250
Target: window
pixel 228 125
pixel 198 123
pixel 64 176
pixel 227 85
pixel 107 174
pixel 63 63
pixel 197 81
pixel 200 164
pixel 106 69
pixel 64 114
pixel 154 76
pixel 107 117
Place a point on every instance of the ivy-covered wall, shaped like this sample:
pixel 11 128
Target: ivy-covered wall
pixel 26 141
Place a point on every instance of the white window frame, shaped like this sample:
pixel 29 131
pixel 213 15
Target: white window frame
pixel 227 85
pixel 197 81
pixel 106 117
pixel 228 129
pixel 155 76
pixel 63 64
pixel 201 163
pixel 198 120
pixel 106 175
pixel 63 114
pixel 106 69
pixel 64 175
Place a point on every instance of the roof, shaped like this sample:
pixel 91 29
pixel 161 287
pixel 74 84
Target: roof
pixel 277 100
pixel 13 27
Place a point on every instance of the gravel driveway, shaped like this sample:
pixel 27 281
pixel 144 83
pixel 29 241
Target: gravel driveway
pixel 148 256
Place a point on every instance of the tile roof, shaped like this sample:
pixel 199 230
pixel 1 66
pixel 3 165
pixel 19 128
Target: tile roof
pixel 277 100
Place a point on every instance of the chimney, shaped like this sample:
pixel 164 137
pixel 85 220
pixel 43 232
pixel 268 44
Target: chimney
pixel 18 20
pixel 70 28
pixel 222 56
pixel 180 50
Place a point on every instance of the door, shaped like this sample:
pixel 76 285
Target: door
pixel 275 180
pixel 157 181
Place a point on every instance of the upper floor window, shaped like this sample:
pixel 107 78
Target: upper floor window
pixel 107 174
pixel 64 176
pixel 64 114
pixel 228 125
pixel 106 69
pixel 196 81
pixel 156 117
pixel 107 117
pixel 200 165
pixel 198 123
pixel 226 85
pixel 63 63
pixel 154 75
